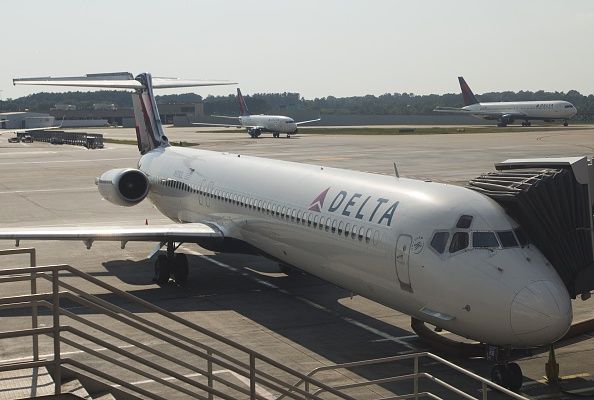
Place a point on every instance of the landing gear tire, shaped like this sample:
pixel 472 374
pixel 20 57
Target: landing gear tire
pixel 501 125
pixel 516 378
pixel 507 375
pixel 565 123
pixel 181 268
pixel 162 269
pixel 288 136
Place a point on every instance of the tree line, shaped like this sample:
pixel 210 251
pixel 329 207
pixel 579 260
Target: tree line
pixel 389 103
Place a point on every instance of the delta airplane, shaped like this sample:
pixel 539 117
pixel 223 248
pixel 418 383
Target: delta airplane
pixel 257 124
pixel 443 254
pixel 506 112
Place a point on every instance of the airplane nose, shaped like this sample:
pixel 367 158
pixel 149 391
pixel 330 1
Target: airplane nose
pixel 541 313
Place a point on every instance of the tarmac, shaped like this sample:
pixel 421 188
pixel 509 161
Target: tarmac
pixel 293 317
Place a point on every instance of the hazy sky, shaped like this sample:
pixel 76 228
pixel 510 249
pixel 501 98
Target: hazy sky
pixel 314 47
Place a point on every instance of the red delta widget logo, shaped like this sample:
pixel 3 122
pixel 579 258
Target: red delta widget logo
pixel 378 210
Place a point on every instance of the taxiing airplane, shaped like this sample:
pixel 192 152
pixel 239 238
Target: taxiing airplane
pixel 257 124
pixel 444 254
pixel 507 112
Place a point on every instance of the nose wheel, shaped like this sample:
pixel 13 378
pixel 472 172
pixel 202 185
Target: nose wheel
pixel 171 265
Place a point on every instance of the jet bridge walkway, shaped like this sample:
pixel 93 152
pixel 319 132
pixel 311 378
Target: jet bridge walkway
pixel 552 200
pixel 77 335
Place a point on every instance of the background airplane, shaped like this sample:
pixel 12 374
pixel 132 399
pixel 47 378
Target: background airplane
pixel 257 124
pixel 444 254
pixel 506 112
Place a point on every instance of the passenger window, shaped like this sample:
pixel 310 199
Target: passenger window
pixel 368 236
pixel 333 226
pixel 459 242
pixel 484 240
pixel 322 222
pixel 361 233
pixel 309 218
pixel 316 219
pixel 354 232
pixel 340 225
pixel 507 239
pixel 439 241
pixel 464 222
pixel 347 230
pixel 293 215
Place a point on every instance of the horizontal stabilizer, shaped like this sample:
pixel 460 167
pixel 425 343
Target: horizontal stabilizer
pixel 119 80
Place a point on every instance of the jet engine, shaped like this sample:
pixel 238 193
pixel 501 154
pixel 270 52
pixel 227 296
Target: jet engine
pixel 123 186
pixel 507 119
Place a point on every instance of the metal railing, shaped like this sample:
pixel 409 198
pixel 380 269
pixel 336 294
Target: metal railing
pixel 416 376
pixel 259 371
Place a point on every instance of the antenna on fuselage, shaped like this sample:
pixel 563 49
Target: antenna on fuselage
pixel 396 171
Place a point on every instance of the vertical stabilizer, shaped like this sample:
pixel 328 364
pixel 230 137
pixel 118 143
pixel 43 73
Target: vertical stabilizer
pixel 149 130
pixel 469 97
pixel 242 106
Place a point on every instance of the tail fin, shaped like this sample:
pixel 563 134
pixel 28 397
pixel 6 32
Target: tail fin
pixel 242 106
pixel 469 97
pixel 149 130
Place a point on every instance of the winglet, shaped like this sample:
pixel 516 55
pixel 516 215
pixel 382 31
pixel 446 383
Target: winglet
pixel 469 97
pixel 242 106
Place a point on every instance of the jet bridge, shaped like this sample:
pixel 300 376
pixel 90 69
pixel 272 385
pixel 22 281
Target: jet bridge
pixel 552 200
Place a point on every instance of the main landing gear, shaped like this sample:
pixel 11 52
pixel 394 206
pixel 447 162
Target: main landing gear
pixel 526 123
pixel 565 123
pixel 171 265
pixel 504 373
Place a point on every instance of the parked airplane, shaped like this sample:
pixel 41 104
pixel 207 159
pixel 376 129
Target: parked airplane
pixel 257 124
pixel 506 112
pixel 443 254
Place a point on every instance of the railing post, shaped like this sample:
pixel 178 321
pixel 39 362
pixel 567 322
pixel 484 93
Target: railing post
pixel 416 378
pixel 34 313
pixel 56 330
pixel 210 380
pixel 306 387
pixel 484 391
pixel 252 377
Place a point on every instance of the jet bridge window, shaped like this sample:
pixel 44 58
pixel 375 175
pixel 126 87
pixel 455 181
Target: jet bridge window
pixel 484 240
pixel 439 241
pixel 459 242
pixel 507 239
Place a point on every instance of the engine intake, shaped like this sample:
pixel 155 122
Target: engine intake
pixel 123 186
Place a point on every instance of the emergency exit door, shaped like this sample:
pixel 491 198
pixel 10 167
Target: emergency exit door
pixel 403 262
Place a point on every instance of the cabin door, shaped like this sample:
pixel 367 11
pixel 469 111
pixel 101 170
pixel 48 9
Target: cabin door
pixel 403 262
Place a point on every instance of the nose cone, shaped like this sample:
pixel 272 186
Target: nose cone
pixel 541 313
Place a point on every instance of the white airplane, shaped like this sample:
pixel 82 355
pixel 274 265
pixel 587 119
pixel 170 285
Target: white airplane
pixel 257 124
pixel 506 112
pixel 443 254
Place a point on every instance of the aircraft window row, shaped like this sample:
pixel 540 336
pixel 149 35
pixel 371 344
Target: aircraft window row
pixel 480 240
pixel 316 221
pixel 568 106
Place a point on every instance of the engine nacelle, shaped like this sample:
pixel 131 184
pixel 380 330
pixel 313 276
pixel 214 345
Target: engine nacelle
pixel 123 186
pixel 507 119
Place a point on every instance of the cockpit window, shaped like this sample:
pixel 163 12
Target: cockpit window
pixel 568 106
pixel 484 240
pixel 507 239
pixel 459 242
pixel 439 241
pixel 464 222
pixel 522 238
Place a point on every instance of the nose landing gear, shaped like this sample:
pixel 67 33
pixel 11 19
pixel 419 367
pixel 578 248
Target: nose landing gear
pixel 505 373
pixel 171 265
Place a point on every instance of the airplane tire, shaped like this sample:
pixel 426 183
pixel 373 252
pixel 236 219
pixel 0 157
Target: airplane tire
pixel 162 270
pixel 500 375
pixel 516 378
pixel 181 269
pixel 565 123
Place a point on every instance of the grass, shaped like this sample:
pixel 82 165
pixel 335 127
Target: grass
pixel 176 143
pixel 419 131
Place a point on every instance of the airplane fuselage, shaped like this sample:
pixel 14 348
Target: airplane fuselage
pixel 269 123
pixel 526 110
pixel 375 235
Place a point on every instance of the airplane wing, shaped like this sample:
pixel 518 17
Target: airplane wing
pixel 187 233
pixel 305 122
pixel 209 124
pixel 25 130
pixel 118 80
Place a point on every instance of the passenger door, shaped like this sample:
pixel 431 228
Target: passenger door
pixel 403 262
